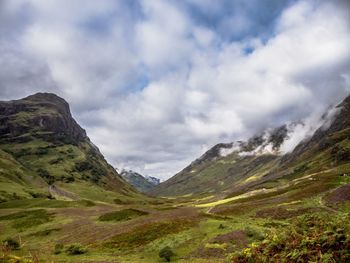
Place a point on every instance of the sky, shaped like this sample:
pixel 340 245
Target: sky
pixel 156 83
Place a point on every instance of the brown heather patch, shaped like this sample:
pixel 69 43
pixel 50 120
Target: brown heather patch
pixel 340 195
pixel 209 253
pixel 283 213
pixel 86 230
pixel 238 238
pixel 147 233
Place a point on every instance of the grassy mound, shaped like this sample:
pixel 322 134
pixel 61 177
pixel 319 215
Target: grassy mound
pixel 147 233
pixel 27 219
pixel 45 203
pixel 122 215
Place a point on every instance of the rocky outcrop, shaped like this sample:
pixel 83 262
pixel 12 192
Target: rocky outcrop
pixel 42 114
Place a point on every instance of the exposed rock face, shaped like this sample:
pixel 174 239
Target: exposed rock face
pixel 42 113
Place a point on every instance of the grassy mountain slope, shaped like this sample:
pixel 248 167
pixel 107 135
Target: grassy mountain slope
pixel 16 181
pixel 41 143
pixel 248 168
pixel 217 176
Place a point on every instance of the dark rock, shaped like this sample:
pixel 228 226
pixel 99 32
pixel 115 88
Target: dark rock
pixel 38 114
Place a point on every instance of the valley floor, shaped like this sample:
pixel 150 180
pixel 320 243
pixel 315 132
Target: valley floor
pixel 281 225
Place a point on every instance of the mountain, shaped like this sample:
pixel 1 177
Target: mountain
pixel 240 201
pixel 141 183
pixel 45 152
pixel 152 180
pixel 226 163
pixel 229 169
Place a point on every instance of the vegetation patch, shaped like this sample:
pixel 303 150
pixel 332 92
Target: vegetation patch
pixel 47 203
pixel 11 244
pixel 147 233
pixel 39 195
pixel 280 213
pixel 122 215
pixel 119 201
pixel 311 238
pixel 27 219
pixel 71 250
pixel 166 253
pixel 340 154
pixel 214 251
pixel 58 249
pixel 44 233
pixel 340 195
pixel 238 238
pixel 75 249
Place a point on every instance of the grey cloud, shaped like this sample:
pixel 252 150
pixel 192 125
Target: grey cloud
pixel 21 74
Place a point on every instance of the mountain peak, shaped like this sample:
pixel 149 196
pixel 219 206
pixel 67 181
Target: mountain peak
pixel 42 113
pixel 44 96
pixel 49 99
pixel 140 182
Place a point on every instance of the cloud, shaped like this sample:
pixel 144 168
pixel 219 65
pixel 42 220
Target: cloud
pixel 156 83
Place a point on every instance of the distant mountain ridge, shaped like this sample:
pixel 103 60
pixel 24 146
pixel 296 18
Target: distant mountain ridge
pixel 152 180
pixel 140 182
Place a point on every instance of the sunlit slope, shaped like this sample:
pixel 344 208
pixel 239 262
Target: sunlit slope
pixel 218 176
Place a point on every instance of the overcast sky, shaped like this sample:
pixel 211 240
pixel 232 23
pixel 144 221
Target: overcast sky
pixel 157 82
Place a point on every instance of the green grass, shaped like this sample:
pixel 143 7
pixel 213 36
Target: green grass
pixel 44 203
pixel 27 219
pixel 147 233
pixel 94 192
pixel 219 175
pixel 44 233
pixel 122 215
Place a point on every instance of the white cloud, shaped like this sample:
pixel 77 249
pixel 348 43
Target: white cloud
pixel 162 36
pixel 154 87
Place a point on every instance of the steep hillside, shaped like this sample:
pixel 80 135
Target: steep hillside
pixel 234 168
pixel 45 152
pixel 141 183
pixel 227 165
